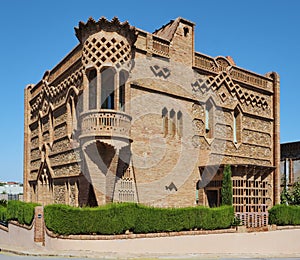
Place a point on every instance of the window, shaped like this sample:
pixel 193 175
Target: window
pixel 172 123
pixel 165 121
pixel 92 78
pixel 72 119
pixel 179 124
pixel 108 89
pixel 237 121
pixel 122 80
pixel 209 123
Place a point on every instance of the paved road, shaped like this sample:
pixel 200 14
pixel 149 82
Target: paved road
pixel 15 257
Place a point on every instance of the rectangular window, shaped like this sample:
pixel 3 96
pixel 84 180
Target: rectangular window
pixel 234 130
pixel 209 119
pixel 107 89
pixel 92 77
pixel 206 120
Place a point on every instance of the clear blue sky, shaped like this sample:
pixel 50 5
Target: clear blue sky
pixel 261 35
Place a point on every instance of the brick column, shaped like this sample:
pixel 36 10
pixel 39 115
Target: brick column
pixel 39 232
pixel 26 187
pixel 276 140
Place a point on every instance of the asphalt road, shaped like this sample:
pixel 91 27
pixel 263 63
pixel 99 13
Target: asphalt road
pixel 16 257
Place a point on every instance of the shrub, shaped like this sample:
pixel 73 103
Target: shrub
pixel 3 213
pixel 284 215
pixel 117 218
pixel 3 203
pixel 20 211
pixel 226 191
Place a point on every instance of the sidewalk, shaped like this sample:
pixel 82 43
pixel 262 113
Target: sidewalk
pixel 280 243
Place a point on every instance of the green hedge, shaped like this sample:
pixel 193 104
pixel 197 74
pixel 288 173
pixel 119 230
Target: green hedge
pixel 284 215
pixel 3 213
pixel 20 211
pixel 117 218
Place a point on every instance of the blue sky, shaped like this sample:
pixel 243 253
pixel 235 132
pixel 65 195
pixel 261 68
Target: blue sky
pixel 261 35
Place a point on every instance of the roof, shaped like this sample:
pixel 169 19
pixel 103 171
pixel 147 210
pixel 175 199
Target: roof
pixel 168 30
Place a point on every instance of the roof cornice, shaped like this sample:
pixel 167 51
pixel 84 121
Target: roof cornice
pixel 84 30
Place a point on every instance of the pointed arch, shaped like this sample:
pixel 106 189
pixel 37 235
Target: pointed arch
pixel 237 125
pixel 92 79
pixel 71 115
pixel 172 124
pixel 108 88
pixel 209 119
pixel 164 115
pixel 123 76
pixel 179 124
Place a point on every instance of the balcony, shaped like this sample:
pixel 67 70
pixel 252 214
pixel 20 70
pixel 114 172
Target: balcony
pixel 105 123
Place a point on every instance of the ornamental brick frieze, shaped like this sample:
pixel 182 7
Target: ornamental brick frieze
pixel 35 154
pixel 244 150
pixel 61 145
pixel 33 174
pixel 35 164
pixel 71 169
pixel 220 64
pixel 200 142
pixel 223 131
pixel 198 110
pixel 53 96
pixel 84 30
pixel 70 156
pixel 257 124
pixel 231 159
pixel 198 126
pixel 250 101
pixel 60 131
pixel 257 138
pixel 34 142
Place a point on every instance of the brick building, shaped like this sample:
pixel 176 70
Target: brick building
pixel 290 163
pixel 130 115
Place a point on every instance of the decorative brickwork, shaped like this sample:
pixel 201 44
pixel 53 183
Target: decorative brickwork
pixel 132 116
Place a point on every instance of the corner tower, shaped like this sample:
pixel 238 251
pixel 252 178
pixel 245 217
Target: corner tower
pixel 104 120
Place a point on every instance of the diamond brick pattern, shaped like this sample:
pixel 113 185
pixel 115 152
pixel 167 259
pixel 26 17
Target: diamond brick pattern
pixel 102 50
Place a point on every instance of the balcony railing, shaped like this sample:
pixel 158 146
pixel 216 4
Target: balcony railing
pixel 105 123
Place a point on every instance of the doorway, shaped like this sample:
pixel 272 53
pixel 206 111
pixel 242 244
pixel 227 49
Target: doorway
pixel 213 198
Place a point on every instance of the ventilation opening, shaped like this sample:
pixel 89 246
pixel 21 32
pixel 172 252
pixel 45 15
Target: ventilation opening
pixel 185 31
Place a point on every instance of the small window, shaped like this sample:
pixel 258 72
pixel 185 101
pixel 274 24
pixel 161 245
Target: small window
pixel 237 122
pixel 92 78
pixel 172 123
pixel 108 89
pixel 122 80
pixel 209 120
pixel 185 31
pixel 179 124
pixel 165 121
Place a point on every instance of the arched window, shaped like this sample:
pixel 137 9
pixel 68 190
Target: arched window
pixel 237 126
pixel 108 89
pixel 40 126
pixel 197 191
pixel 209 119
pixel 122 80
pixel 51 127
pixel 179 124
pixel 72 117
pixel 92 77
pixel 172 123
pixel 164 116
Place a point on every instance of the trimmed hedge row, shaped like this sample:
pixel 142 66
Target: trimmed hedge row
pixel 20 211
pixel 284 215
pixel 117 218
pixel 3 213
